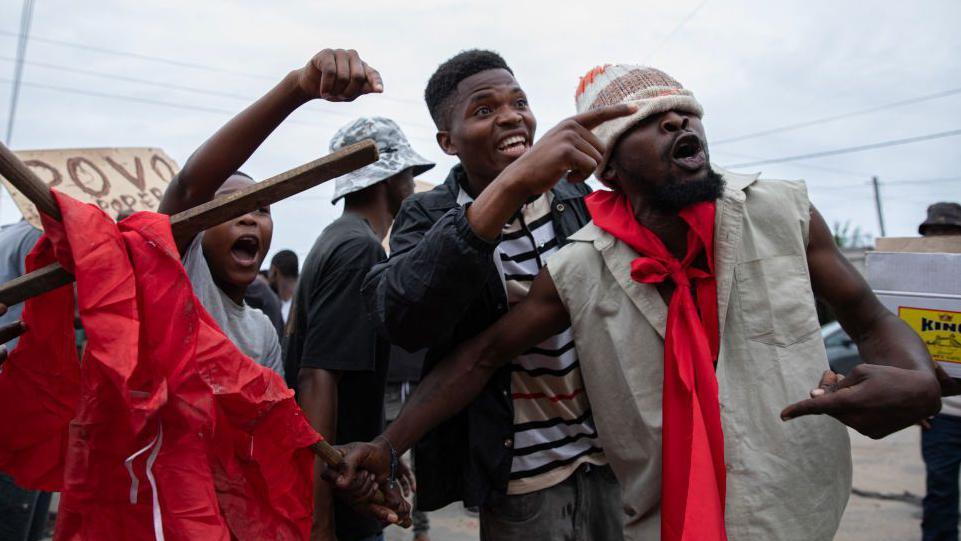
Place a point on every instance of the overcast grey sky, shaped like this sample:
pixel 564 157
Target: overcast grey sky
pixel 754 65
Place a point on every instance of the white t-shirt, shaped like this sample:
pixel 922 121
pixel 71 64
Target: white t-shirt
pixel 248 328
pixel 285 308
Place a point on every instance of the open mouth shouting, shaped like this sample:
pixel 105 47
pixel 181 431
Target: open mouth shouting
pixel 245 250
pixel 688 152
pixel 513 146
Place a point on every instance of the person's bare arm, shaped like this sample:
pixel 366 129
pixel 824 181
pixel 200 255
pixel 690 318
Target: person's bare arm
pixel 333 75
pixel 896 387
pixel 458 379
pixel 317 393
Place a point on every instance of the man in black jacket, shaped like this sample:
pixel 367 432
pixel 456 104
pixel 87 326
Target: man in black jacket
pixel 526 450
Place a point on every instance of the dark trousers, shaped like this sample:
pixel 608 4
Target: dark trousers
pixel 584 507
pixel 23 513
pixel 941 450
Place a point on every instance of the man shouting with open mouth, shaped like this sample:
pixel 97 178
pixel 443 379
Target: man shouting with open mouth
pixel 691 301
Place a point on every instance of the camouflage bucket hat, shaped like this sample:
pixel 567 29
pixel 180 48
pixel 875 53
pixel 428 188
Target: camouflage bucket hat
pixel 396 154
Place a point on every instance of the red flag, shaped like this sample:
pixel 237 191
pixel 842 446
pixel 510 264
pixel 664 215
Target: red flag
pixel 40 387
pixel 176 434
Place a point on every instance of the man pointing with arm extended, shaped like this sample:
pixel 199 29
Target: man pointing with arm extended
pixel 691 298
pixel 525 451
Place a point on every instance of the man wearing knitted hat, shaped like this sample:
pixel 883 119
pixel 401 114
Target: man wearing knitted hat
pixel 691 298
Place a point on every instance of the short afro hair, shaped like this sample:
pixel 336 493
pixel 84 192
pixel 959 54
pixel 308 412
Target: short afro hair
pixel 443 83
pixel 286 263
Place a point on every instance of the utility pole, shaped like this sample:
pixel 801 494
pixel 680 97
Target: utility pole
pixel 26 15
pixel 877 203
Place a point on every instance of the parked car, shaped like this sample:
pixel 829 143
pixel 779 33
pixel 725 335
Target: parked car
pixel 842 352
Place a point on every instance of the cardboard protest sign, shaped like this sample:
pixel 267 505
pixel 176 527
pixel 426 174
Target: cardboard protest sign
pixel 118 180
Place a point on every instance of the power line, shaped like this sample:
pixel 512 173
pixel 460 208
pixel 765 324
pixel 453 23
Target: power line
pixel 116 77
pixel 138 56
pixel 675 30
pixel 122 97
pixel 173 105
pixel 184 88
pixel 923 181
pixel 165 60
pixel 823 120
pixel 892 183
pixel 847 150
pixel 805 165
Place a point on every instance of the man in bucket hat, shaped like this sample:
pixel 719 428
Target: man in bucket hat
pixel 691 300
pixel 334 356
pixel 944 219
pixel 941 435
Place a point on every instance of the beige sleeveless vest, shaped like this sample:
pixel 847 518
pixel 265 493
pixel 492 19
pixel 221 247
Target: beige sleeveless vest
pixel 785 481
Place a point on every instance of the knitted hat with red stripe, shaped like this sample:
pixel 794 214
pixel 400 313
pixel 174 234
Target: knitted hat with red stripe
pixel 652 90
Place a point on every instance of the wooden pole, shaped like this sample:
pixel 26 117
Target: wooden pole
pixel 11 330
pixel 185 224
pixel 29 184
pixel 877 204
pixel 333 458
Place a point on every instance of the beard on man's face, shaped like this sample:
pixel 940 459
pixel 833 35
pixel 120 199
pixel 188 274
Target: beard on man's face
pixel 674 195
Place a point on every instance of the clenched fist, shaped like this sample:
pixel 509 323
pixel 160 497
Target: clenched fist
pixel 338 75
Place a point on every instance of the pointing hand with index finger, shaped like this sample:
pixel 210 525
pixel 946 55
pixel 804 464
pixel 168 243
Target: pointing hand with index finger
pixel 568 150
pixel 875 400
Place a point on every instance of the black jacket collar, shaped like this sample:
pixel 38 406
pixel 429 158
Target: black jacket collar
pixel 444 196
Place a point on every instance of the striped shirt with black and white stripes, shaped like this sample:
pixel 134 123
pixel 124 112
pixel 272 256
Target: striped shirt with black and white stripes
pixel 554 431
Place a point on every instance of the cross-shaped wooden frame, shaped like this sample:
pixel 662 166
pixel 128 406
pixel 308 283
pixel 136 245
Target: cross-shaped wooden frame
pixel 187 223
pixel 184 225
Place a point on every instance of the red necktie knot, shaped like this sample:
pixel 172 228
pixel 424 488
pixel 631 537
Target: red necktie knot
pixel 648 270
pixel 679 274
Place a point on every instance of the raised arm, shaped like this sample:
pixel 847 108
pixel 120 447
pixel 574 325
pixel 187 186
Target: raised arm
pixel 457 380
pixel 332 75
pixel 896 387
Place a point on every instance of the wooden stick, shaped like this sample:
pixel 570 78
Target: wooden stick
pixel 188 223
pixel 183 225
pixel 34 283
pixel 192 221
pixel 11 330
pixel 29 184
pixel 7 333
pixel 333 458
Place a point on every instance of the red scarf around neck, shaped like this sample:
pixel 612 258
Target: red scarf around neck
pixel 693 482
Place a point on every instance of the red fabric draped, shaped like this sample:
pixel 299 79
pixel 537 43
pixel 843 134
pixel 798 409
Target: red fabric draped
pixel 38 399
pixel 165 430
pixel 693 478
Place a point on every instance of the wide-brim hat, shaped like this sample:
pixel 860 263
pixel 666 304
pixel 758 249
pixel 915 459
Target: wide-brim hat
pixel 396 154
pixel 943 214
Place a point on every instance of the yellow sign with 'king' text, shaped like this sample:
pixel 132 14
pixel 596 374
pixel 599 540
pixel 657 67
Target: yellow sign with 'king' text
pixel 939 329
